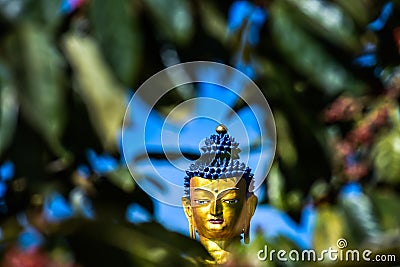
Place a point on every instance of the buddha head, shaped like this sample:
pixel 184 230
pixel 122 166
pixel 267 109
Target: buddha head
pixel 218 201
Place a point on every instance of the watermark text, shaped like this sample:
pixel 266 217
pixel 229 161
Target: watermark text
pixel 338 253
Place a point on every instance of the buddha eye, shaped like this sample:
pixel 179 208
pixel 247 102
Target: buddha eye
pixel 231 201
pixel 201 201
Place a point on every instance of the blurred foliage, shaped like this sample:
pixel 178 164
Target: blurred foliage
pixel 329 69
pixel 123 54
pixel 98 89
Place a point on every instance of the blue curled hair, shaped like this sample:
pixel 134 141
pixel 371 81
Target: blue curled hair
pixel 219 159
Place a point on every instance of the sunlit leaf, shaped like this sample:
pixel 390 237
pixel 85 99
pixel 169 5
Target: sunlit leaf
pixel 329 227
pixel 386 157
pixel 360 215
pixel 319 190
pixel 116 29
pixel 285 148
pixel 122 179
pixel 103 96
pixel 8 110
pixel 213 21
pixel 358 9
pixel 173 19
pixel 308 56
pixel 294 200
pixel 329 21
pixel 41 84
pixel 275 187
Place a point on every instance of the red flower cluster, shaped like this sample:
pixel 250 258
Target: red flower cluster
pixel 365 132
pixel 16 257
pixel 356 171
pixel 343 109
pixel 352 162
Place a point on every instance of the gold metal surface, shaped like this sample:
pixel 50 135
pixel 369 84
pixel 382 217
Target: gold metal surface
pixel 220 211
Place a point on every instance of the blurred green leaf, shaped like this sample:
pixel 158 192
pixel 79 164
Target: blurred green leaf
pixel 8 109
pixel 319 190
pixel 11 9
pixel 361 217
pixel 40 83
pixel 306 143
pixel 275 187
pixel 213 21
pixel 103 96
pixel 329 21
pixel 387 205
pixel 285 147
pixel 142 245
pixel 329 227
pixel 51 15
pixel 116 29
pixel 358 9
pixel 122 178
pixel 45 13
pixel 248 255
pixel 308 56
pixel 173 19
pixel 294 200
pixel 386 157
pixel 10 230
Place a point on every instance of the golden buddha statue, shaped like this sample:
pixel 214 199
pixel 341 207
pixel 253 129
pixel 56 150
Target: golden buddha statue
pixel 218 203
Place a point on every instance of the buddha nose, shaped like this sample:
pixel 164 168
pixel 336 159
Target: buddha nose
pixel 216 209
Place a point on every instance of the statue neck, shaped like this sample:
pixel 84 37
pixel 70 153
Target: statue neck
pixel 218 249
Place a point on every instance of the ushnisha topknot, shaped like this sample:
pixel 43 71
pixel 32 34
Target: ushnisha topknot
pixel 219 159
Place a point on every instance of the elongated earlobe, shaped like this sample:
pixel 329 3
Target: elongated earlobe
pixel 251 205
pixel 192 231
pixel 189 215
pixel 246 234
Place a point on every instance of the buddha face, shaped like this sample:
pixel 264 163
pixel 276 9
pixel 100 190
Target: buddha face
pixel 218 208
